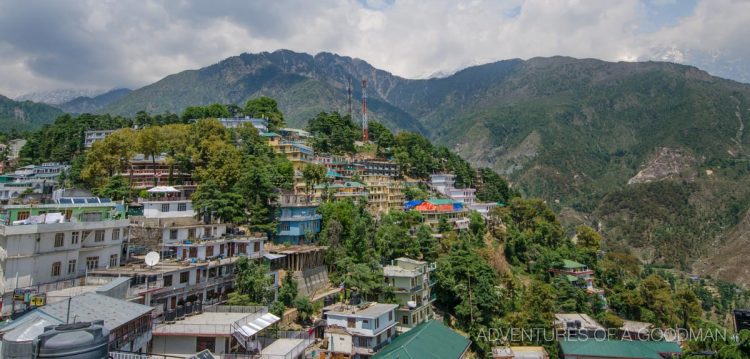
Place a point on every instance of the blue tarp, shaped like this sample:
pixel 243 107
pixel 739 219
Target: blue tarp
pixel 457 206
pixel 413 203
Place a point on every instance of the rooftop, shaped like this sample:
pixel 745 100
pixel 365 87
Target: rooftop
pixel 426 341
pixel 619 348
pixel 368 310
pixel 91 306
pixel 586 321
pixel 520 352
pixel 206 323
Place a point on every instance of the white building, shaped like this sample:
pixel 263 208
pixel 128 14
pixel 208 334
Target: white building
pixel 443 183
pixel 90 137
pixel 359 330
pixel 412 286
pixel 50 243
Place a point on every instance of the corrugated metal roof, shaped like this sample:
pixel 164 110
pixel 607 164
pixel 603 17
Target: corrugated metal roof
pixel 91 306
pixel 431 339
pixel 619 348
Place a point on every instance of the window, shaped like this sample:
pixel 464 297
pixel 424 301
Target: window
pixel 59 239
pixel 85 235
pixel 405 320
pixel 56 269
pixel 99 236
pixel 113 260
pixel 173 234
pixel 74 237
pixel 191 233
pixel 23 215
pixel 92 262
pixel 165 207
pixel 377 323
pixel 210 251
pixel 256 247
pixel 116 234
pixel 184 276
pixel 390 316
pixel 168 280
pixel 284 226
pixel 205 343
pixel 72 266
pixel 207 232
pixel 351 322
pixel 182 207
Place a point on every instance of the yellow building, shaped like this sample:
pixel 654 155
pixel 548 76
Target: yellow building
pixel 384 193
pixel 295 151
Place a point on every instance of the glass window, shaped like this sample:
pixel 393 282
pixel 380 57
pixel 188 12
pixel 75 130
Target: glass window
pixel 59 239
pixel 165 207
pixel 116 234
pixel 72 266
pixel 173 234
pixel 168 280
pixel 184 276
pixel 56 269
pixel 351 322
pixel 99 236
pixel 113 260
pixel 74 237
pixel 182 207
pixel 92 262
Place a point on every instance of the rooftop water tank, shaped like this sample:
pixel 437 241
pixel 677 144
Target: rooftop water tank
pixel 73 341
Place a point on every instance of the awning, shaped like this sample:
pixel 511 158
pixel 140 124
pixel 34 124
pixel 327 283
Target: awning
pixel 163 189
pixel 258 324
pixel 272 256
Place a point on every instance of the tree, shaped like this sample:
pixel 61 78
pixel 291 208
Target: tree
pixel 688 306
pixel 108 157
pixel 588 238
pixel 116 189
pixel 149 142
pixel 268 108
pixel 254 281
pixel 493 188
pixel 305 309
pixel 313 174
pixel 209 199
pixel 288 290
pixel 333 133
pixel 427 243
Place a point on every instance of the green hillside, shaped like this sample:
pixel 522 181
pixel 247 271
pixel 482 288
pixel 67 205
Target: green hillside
pixel 571 131
pixel 25 115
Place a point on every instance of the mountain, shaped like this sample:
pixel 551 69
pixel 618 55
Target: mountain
pixel 86 104
pixel 651 153
pixel 59 96
pixel 25 115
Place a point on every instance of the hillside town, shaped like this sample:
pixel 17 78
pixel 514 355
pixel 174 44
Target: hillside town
pixel 164 274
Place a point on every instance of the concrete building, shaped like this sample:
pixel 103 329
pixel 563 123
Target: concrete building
pixel 143 170
pixel 519 352
pixel 435 210
pixel 575 325
pixel 358 331
pixel 341 190
pixel 92 136
pixel 618 349
pixel 56 242
pixel 299 221
pixel 431 339
pixel 577 274
pixel 35 179
pixel 260 124
pixel 379 168
pixel 412 286
pixel 384 194
pixel 296 151
pixel 444 184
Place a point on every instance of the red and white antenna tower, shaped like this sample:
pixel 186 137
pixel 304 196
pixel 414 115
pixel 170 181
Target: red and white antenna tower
pixel 365 132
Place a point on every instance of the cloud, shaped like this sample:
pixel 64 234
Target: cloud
pixel 103 44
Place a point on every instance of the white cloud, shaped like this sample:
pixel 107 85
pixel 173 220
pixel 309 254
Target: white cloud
pixel 132 43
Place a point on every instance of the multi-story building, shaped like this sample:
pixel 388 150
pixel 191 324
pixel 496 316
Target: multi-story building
pixel 384 194
pixel 436 210
pixel 296 151
pixel 56 242
pixel 260 124
pixel 577 274
pixel 341 190
pixel 299 221
pixel 339 167
pixel 444 184
pixel 359 331
pixel 412 286
pixel 379 168
pixel 92 136
pixel 144 171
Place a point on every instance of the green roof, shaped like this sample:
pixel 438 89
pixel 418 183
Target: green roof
pixel 431 339
pixel 571 278
pixel 269 134
pixel 439 201
pixel 568 264
pixel 619 348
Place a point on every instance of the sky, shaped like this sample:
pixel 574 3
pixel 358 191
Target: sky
pixel 103 44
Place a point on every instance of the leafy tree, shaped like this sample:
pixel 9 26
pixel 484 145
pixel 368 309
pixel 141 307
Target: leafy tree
pixel 333 133
pixel 116 188
pixel 313 174
pixel 209 199
pixel 288 290
pixel 253 280
pixel 149 142
pixel 305 309
pixel 428 245
pixel 493 188
pixel 108 157
pixel 688 306
pixel 268 108
pixel 588 238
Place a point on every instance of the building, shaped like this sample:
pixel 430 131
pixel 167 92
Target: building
pixel 379 168
pixel 92 136
pixel 31 179
pixel 519 352
pixel 296 151
pixel 212 329
pixel 412 286
pixel 339 190
pixel 260 124
pixel 56 242
pixel 339 167
pixel 384 194
pixel 146 172
pixel 618 349
pixel 129 325
pixel 358 331
pixel 741 319
pixel 435 210
pixel 443 184
pixel 576 325
pixel 577 274
pixel 299 221
pixel 633 330
pixel 430 339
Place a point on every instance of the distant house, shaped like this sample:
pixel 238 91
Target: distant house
pixel 633 330
pixel 575 325
pixel 618 349
pixel 431 339
pixel 354 331
pixel 434 210
pixel 92 136
pixel 577 274
pixel 411 283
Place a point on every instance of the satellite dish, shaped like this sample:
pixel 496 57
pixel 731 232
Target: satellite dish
pixel 152 258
